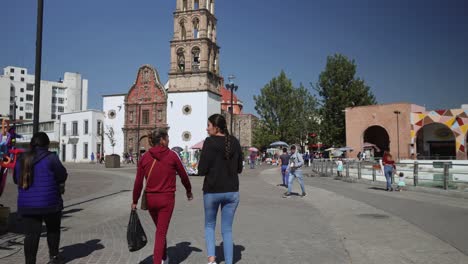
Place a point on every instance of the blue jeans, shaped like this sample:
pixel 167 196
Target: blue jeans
pixel 388 170
pixel 285 174
pixel 228 202
pixel 252 164
pixel 295 174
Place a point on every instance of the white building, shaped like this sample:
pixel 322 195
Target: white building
pixel 51 128
pixel 63 96
pixel 114 110
pixel 81 135
pixel 187 115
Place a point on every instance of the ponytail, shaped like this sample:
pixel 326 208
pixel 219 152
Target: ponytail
pixel 219 121
pixel 39 139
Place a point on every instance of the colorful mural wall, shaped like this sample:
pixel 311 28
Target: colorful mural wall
pixel 455 119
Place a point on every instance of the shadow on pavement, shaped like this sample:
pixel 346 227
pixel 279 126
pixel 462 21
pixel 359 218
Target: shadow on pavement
pixel 377 188
pixel 81 250
pixel 177 254
pixel 97 198
pixel 237 253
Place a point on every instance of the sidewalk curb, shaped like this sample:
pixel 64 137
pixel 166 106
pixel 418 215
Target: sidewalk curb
pixel 447 193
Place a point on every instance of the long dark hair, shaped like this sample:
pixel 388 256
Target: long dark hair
pixel 40 139
pixel 219 121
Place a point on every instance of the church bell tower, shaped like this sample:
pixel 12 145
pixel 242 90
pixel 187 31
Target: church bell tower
pixel 194 52
pixel 194 81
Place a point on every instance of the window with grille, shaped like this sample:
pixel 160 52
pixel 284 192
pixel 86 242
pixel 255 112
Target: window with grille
pixel 145 117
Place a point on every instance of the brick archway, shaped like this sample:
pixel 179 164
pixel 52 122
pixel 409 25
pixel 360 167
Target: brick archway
pixel 378 136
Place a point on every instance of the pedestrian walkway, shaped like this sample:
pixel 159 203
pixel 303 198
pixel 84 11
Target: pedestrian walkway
pixel 322 228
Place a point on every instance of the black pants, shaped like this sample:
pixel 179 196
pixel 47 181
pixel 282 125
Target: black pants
pixel 32 230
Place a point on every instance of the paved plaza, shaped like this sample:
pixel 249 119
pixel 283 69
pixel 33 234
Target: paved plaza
pixel 337 223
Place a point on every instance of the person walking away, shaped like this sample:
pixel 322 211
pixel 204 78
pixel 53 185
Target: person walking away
pixel 159 167
pixel 40 177
pixel 307 159
pixel 339 169
pixel 92 157
pixel 221 184
pixel 295 172
pixel 389 169
pixel 101 160
pixel 253 158
pixel 284 162
pixel 98 155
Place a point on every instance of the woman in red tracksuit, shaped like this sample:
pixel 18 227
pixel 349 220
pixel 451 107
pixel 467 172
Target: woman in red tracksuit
pixel 161 187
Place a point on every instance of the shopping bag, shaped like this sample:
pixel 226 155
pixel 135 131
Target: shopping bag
pixel 136 237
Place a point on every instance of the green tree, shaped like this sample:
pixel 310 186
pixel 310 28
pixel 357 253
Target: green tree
pixel 286 113
pixel 338 88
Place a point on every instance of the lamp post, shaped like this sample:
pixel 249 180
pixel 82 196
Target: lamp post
pixel 37 81
pixel 13 117
pixel 233 88
pixel 397 113
pixel 138 128
pixel 240 132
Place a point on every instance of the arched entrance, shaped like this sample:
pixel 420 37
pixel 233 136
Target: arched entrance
pixel 377 136
pixel 435 141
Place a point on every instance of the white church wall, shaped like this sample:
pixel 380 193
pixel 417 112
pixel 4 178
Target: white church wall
pixel 194 122
pixel 114 109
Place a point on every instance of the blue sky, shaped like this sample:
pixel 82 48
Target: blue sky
pixel 412 51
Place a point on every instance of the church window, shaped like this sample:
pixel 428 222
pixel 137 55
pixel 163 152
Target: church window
pixel 186 136
pixel 215 63
pixel 183 31
pixel 130 116
pixel 145 119
pixel 196 4
pixel 196 23
pixel 184 5
pixel 209 30
pixel 196 59
pixel 187 109
pixel 160 115
pixel 181 60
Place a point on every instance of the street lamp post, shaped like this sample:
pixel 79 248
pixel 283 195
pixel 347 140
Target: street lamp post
pixel 37 81
pixel 138 129
pixel 233 88
pixel 240 132
pixel 397 113
pixel 13 117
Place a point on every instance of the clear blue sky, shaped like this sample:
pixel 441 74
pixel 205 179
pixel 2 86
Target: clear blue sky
pixel 406 50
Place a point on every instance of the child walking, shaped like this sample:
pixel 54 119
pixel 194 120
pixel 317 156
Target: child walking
pixel 339 168
pixel 401 182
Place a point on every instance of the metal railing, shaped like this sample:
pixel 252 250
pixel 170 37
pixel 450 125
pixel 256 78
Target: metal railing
pixel 437 174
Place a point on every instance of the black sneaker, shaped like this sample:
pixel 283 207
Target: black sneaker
pixel 56 260
pixel 286 195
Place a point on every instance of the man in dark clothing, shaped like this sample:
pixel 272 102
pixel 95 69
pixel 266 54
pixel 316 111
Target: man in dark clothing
pixel 284 159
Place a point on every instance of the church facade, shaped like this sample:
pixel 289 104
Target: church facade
pixel 145 109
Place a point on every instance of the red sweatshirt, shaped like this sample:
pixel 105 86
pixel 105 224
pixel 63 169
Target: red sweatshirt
pixel 387 161
pixel 163 175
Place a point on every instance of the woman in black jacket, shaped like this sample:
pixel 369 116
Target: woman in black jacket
pixel 220 163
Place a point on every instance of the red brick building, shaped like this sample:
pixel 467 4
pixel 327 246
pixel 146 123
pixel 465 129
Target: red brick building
pixel 226 101
pixel 145 107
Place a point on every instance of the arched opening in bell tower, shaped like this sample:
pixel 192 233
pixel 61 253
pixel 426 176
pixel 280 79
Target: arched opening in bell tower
pixel 181 60
pixel 196 24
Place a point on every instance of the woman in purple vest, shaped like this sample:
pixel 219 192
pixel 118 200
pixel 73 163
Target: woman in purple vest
pixel 40 177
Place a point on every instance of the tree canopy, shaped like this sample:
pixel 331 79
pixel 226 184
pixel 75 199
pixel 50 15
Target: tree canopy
pixel 286 112
pixel 339 88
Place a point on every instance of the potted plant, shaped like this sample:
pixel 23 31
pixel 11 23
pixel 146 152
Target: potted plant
pixel 113 160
